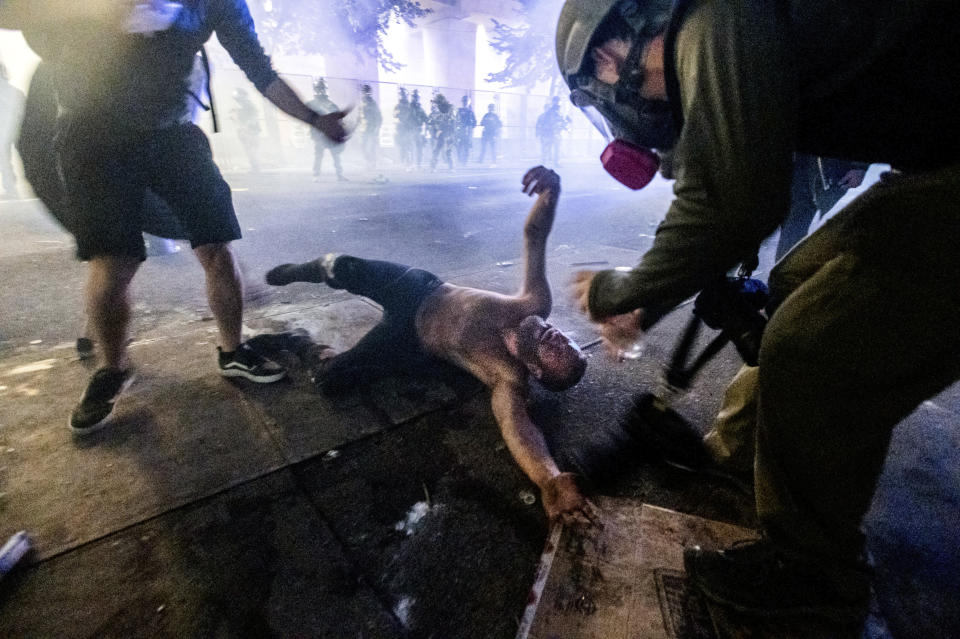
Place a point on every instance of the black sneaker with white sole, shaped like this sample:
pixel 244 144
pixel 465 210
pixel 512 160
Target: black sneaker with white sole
pixel 96 403
pixel 247 363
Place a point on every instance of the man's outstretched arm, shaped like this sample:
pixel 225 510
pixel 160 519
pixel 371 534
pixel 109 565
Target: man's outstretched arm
pixel 545 184
pixel 561 498
pixel 236 32
pixel 286 99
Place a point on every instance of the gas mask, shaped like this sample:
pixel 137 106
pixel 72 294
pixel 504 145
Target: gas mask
pixel 632 124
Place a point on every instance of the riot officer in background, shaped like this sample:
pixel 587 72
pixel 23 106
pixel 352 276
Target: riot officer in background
pixel 550 125
pixel 370 121
pixel 322 104
pixel 491 133
pixel 418 120
pixel 442 127
pixel 247 119
pixel 466 122
pixel 402 135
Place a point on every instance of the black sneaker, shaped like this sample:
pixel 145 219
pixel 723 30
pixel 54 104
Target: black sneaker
pixel 288 273
pixel 247 363
pixel 755 578
pixel 96 403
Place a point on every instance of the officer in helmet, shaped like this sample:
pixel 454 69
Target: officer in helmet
pixel 247 120
pixel 855 340
pixel 369 127
pixel 322 104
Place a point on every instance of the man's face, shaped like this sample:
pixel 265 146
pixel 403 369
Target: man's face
pixel 555 349
pixel 608 59
pixel 548 352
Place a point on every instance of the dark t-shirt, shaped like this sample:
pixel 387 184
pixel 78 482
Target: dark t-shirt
pixel 491 125
pixel 139 81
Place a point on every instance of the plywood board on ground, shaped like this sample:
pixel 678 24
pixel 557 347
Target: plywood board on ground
pixel 625 581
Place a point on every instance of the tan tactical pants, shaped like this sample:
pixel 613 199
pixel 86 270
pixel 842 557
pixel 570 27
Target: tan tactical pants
pixel 866 326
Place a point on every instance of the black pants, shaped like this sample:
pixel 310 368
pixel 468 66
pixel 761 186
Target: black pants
pixel 319 147
pixel 392 346
pixel 484 143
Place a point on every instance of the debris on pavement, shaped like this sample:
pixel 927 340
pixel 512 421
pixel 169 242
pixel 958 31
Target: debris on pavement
pixel 416 513
pixel 33 367
pixel 13 552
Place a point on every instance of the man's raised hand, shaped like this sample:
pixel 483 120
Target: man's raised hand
pixel 540 180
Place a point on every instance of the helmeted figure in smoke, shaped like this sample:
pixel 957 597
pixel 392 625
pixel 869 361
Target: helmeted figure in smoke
pixel 322 104
pixel 369 127
pixel 247 119
pixel 550 125
pixel 466 122
pixel 403 135
pixel 442 127
pixel 418 120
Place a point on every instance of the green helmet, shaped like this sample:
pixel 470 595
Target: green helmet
pixel 580 19
pixel 646 123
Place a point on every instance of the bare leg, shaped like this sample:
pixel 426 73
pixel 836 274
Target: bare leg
pixel 108 306
pixel 224 291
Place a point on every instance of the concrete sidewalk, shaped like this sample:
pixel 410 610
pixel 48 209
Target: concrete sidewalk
pixel 213 508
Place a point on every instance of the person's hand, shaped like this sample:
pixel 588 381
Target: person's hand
pixel 331 125
pixel 563 502
pixel 580 290
pixel 852 178
pixel 622 335
pixel 541 181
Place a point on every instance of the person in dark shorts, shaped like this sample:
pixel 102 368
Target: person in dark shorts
pixel 500 339
pixel 121 78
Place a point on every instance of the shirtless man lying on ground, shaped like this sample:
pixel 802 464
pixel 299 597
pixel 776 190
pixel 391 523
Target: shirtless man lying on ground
pixel 500 339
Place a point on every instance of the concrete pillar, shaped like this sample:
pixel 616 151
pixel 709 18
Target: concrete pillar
pixel 449 54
